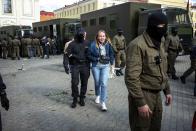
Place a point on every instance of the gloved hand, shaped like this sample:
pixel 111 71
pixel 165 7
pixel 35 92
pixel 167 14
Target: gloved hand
pixel 66 70
pixel 4 101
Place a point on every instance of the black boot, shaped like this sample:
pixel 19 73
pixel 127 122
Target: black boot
pixel 118 73
pixel 121 73
pixel 74 103
pixel 81 102
pixel 183 80
pixel 174 77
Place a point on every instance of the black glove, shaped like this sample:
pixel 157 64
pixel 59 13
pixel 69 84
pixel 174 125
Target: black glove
pixel 4 101
pixel 66 69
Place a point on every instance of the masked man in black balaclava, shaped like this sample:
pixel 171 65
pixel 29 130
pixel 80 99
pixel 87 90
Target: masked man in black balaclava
pixel 173 48
pixel 80 67
pixel 146 76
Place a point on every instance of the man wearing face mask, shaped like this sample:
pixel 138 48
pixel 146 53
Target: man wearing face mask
pixel 146 76
pixel 173 46
pixel 80 66
pixel 119 45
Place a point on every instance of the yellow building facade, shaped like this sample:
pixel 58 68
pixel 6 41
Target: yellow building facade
pixel 85 6
pixel 170 3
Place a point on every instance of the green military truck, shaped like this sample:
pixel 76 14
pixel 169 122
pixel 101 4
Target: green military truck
pixel 62 28
pixel 132 18
pixel 15 30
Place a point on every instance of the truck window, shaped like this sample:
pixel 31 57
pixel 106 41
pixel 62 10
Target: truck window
pixel 35 29
pixel 177 17
pixel 102 20
pixel 84 23
pixel 92 22
pixel 113 21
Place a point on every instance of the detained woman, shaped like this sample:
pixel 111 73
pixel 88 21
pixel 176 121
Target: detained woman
pixel 101 55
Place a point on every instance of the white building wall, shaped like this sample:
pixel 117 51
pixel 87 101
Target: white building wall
pixel 24 12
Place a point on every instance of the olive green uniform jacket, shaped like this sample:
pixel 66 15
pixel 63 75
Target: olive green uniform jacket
pixel 142 72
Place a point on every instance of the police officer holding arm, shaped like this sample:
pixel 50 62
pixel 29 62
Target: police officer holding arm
pixel 80 66
pixel 146 77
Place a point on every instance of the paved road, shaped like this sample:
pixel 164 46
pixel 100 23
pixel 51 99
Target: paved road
pixel 40 100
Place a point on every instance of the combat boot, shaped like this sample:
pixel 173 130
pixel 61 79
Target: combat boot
pixel 183 80
pixel 121 73
pixel 74 103
pixel 118 73
pixel 81 102
pixel 174 77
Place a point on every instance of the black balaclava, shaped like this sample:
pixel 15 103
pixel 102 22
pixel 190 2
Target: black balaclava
pixel 153 30
pixel 174 31
pixel 80 35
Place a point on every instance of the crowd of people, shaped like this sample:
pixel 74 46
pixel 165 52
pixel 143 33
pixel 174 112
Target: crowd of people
pixel 29 47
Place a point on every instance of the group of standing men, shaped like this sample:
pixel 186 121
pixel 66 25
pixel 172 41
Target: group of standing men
pixel 27 47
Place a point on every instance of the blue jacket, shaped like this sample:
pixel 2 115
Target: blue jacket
pixel 94 56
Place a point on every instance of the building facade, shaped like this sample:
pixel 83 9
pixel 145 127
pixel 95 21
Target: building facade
pixel 19 12
pixel 170 3
pixel 44 15
pixel 85 6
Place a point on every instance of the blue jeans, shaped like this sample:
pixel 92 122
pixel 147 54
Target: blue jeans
pixel 100 75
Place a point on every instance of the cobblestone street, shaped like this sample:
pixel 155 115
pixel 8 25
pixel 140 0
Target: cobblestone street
pixel 40 98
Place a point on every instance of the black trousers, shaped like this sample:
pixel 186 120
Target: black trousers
pixel 0 123
pixel 79 73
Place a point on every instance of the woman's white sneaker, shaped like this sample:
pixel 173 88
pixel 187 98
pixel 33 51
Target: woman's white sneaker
pixel 97 100
pixel 103 107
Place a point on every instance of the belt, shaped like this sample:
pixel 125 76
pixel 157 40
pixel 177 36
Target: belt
pixel 151 91
pixel 121 49
pixel 173 50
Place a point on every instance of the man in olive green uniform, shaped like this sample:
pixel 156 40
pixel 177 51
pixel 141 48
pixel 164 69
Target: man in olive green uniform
pixel 146 77
pixel 192 67
pixel 173 47
pixel 4 45
pixel 16 48
pixel 29 47
pixel 119 44
pixel 36 43
pixel 23 47
pixel 10 47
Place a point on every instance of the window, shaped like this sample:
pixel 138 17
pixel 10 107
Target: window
pixel 89 7
pixel 84 23
pixel 80 9
pixel 102 20
pixel 93 6
pixel 7 6
pixel 84 8
pixel 40 29
pixel 92 22
pixel 105 5
pixel 35 29
pixel 77 10
pixel 45 28
pixel 113 21
pixel 65 13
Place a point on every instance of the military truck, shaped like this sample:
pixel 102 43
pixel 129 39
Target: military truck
pixel 15 30
pixel 132 18
pixel 62 28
